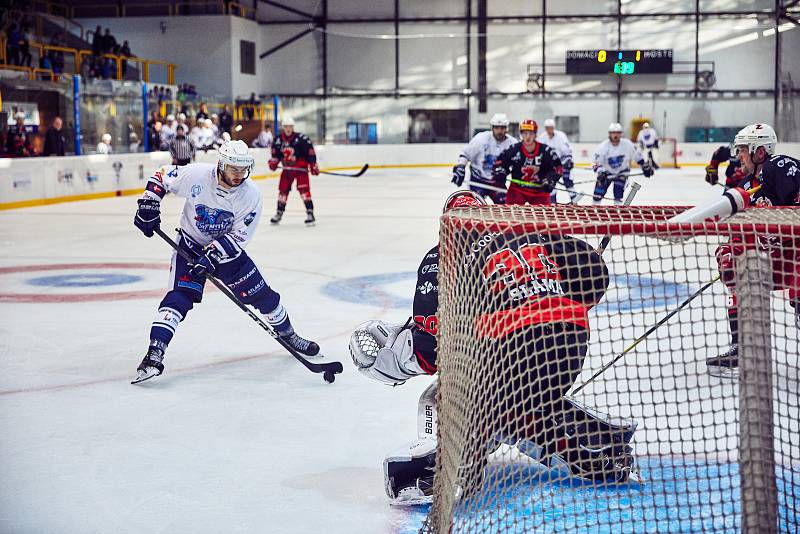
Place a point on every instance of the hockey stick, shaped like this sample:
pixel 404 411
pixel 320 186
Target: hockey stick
pixel 356 175
pixel 347 175
pixel 329 368
pixel 635 186
pixel 649 331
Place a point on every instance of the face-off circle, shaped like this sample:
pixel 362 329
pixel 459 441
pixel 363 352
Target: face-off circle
pixel 82 282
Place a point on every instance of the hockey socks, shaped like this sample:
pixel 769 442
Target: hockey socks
pixel 165 324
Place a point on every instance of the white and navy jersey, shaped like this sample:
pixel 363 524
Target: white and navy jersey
pixel 558 142
pixel 647 138
pixel 211 212
pixel 616 160
pixel 481 152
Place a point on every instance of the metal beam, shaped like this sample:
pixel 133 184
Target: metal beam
pixel 689 15
pixel 396 46
pixel 285 43
pixel 482 82
pixel 287 8
pixel 776 97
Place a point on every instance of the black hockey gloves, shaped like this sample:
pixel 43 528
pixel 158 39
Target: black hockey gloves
pixel 148 216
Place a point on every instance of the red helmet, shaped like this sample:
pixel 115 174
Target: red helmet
pixel 528 125
pixel 463 198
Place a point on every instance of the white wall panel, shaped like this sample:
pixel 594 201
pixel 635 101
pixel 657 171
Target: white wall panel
pixel 358 61
pixel 433 63
pixel 295 68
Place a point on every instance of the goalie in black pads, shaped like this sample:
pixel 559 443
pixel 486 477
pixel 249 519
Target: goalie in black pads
pixel 533 305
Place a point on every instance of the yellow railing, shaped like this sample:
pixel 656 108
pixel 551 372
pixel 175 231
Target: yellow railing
pixel 79 55
pixel 32 72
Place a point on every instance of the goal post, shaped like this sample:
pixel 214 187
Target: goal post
pixel 528 312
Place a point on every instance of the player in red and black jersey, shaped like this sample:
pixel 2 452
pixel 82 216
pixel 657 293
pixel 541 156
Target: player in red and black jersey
pixel 535 168
pixel 779 177
pixel 734 175
pixel 532 306
pixel 295 151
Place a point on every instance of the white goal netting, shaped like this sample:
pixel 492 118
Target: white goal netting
pixel 532 437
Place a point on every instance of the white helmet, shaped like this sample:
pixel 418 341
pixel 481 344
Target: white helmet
pixel 756 135
pixel 170 117
pixel 235 153
pixel 499 119
pixel 106 138
pixel 208 122
pixel 288 121
pixel 615 127
pixel 182 117
pixel 645 125
pixel 549 123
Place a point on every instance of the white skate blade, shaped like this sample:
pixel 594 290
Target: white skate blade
pixel 310 224
pixel 146 374
pixel 725 373
pixel 411 497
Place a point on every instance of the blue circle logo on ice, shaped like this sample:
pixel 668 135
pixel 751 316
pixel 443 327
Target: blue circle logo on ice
pixel 84 280
pixel 628 292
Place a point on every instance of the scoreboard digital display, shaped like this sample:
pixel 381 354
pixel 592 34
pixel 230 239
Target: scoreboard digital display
pixel 623 62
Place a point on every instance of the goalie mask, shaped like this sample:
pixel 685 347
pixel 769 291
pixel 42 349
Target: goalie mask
pixel 235 162
pixel 461 199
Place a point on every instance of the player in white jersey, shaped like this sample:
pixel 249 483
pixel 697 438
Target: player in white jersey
pixel 220 216
pixel 648 144
pixel 612 163
pixel 558 141
pixel 481 152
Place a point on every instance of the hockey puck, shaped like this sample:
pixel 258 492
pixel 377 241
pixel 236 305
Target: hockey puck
pixel 329 377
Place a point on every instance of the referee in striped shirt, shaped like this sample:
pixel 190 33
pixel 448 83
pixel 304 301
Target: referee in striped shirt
pixel 181 147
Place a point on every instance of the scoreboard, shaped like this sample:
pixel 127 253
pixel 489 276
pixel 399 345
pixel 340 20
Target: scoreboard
pixel 622 62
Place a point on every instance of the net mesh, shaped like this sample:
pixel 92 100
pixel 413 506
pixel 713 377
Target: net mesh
pixel 659 440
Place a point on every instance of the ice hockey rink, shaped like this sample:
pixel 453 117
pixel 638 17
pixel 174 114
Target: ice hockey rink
pixel 236 436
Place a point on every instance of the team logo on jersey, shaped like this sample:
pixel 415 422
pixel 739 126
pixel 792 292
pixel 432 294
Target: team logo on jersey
pixel 615 161
pixel 250 218
pixel 427 287
pixel 212 221
pixel 196 190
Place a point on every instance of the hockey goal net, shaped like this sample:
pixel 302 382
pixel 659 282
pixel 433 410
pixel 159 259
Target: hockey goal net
pixel 528 441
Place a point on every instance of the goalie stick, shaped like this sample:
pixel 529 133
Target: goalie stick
pixel 328 368
pixel 644 336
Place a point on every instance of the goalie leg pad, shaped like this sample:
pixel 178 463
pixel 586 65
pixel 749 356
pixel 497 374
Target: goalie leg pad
pixel 408 472
pixel 593 446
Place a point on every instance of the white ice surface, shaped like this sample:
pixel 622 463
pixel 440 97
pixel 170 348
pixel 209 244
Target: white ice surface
pixel 236 436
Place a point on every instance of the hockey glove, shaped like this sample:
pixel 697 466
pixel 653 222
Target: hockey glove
pixel 207 263
pixel 384 352
pixel 459 171
pixel 567 163
pixel 603 178
pixel 712 174
pixel 314 168
pixel 273 164
pixel 647 169
pixel 148 216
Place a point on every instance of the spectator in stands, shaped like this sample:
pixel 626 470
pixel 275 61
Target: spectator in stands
pixel 168 130
pixel 18 141
pixel 97 42
pixel 12 44
pixel 215 125
pixel 25 55
pixel 202 113
pixel 108 42
pixel 104 146
pixel 250 108
pixel 125 50
pixel 265 138
pixel 154 136
pixel 181 149
pixel 108 68
pixel 226 119
pixel 54 140
pixel 133 142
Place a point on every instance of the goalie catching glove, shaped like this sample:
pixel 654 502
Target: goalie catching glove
pixel 385 352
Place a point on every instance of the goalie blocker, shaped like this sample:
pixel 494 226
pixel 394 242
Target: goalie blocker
pixel 533 322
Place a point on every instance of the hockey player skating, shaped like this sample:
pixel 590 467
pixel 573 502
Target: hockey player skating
pixel 481 153
pixel 550 333
pixel 558 141
pixel 612 163
pixel 534 168
pixel 648 144
pixel 779 177
pixel 295 151
pixel 220 216
pixel 734 175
